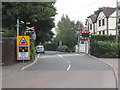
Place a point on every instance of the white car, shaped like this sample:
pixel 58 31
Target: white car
pixel 40 49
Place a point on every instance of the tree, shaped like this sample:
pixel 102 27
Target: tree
pixel 66 30
pixel 39 14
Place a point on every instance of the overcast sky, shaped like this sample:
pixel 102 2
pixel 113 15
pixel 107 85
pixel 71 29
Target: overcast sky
pixel 80 9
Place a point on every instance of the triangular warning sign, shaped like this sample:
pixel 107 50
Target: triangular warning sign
pixel 23 41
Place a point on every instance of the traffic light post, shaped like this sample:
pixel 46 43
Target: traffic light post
pixel 85 36
pixel 23 45
pixel 78 42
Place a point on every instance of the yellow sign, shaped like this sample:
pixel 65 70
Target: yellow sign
pixel 23 40
pixel 23 48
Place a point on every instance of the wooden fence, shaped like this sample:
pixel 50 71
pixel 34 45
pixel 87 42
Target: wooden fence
pixel 8 51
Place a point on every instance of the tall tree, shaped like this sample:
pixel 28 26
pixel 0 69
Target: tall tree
pixel 39 14
pixel 66 30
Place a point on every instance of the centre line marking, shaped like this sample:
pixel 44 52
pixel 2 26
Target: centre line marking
pixel 67 61
pixel 69 67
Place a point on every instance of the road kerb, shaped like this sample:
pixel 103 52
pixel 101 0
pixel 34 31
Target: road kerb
pixel 29 65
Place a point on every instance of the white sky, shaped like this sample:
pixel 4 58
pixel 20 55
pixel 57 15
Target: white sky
pixel 79 10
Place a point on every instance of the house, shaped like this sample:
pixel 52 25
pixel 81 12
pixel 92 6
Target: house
pixel 91 24
pixel 103 21
pixel 119 16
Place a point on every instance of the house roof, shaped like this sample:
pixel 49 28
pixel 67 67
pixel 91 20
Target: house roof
pixel 93 17
pixel 107 11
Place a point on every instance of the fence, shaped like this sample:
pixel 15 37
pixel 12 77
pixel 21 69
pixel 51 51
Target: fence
pixel 50 47
pixel 8 51
pixel 83 47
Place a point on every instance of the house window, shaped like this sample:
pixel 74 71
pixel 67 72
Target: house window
pixel 119 20
pixel 103 22
pixel 100 32
pixel 90 26
pixel 103 32
pixel 99 23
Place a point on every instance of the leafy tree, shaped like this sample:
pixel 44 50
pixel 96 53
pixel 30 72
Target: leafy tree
pixel 66 31
pixel 39 14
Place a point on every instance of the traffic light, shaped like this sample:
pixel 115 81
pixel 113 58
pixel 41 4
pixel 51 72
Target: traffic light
pixel 85 34
pixel 29 33
pixel 23 48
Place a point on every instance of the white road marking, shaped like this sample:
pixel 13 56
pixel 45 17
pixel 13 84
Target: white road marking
pixel 69 67
pixel 67 61
pixel 61 56
pixel 38 55
pixel 23 68
pixel 74 54
pixel 49 56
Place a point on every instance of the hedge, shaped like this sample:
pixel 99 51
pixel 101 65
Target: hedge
pixel 8 33
pixel 104 49
pixel 32 51
pixel 50 47
pixel 63 48
pixel 107 38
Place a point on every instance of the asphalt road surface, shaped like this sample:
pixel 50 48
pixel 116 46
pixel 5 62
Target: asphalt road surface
pixel 62 70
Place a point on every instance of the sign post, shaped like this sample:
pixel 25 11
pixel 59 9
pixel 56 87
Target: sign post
pixel 23 48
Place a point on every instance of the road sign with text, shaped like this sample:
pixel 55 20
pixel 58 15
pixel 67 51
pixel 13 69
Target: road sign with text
pixel 23 48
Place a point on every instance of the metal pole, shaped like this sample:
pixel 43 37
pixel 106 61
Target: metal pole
pixel 116 21
pixel 78 40
pixel 17 26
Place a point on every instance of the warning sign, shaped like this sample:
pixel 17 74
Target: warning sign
pixel 23 48
pixel 23 41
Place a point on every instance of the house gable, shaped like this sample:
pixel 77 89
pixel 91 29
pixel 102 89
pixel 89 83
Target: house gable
pixel 106 21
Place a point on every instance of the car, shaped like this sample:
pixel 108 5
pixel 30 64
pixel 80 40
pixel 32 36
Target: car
pixel 40 49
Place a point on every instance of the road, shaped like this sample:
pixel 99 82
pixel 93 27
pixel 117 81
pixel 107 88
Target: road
pixel 62 70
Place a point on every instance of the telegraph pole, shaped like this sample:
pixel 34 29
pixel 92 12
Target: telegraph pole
pixel 116 21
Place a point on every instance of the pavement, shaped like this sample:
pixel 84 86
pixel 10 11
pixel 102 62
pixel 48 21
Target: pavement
pixel 114 63
pixel 6 70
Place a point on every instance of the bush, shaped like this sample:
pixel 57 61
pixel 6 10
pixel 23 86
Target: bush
pixel 105 49
pixel 59 48
pixel 107 38
pixel 8 33
pixel 63 48
pixel 32 51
